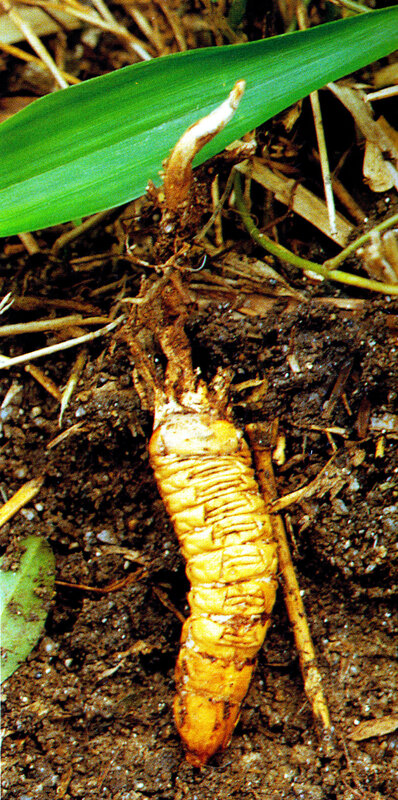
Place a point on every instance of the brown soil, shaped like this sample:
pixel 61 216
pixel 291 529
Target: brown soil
pixel 89 714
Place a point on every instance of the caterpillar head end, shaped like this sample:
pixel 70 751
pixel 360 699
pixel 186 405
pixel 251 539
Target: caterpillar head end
pixel 205 725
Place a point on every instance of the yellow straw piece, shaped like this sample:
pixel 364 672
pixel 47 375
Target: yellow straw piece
pixel 20 499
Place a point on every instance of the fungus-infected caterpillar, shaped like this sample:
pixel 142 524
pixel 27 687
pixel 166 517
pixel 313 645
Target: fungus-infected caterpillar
pixel 204 473
pixel 203 470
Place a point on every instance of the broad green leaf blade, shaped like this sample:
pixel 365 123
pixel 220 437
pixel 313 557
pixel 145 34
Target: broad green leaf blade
pixel 24 600
pixel 96 145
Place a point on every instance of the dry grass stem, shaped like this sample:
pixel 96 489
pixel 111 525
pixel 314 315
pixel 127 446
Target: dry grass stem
pixel 45 325
pixel 97 21
pixel 166 602
pixel 346 199
pixel 175 25
pixel 331 478
pixel 6 363
pixel 354 101
pixel 324 160
pixel 40 22
pixel 295 608
pixel 6 302
pixel 78 230
pixel 70 14
pixel 20 499
pixel 301 200
pixel 34 42
pixel 146 28
pixel 382 94
pixel 103 10
pixel 72 383
pixel 29 242
pixel 302 20
pixel 29 302
pixel 64 435
pixel 215 198
pixel 44 381
pixel 219 206
pixel 369 728
pixel 377 134
pixel 336 429
pixel 115 586
pixel 23 56
pixel 338 389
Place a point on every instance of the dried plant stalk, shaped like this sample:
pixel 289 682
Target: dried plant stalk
pixel 294 604
pixel 20 499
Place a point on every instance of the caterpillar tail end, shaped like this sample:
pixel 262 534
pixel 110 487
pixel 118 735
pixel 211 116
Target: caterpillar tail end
pixel 205 726
pixel 210 691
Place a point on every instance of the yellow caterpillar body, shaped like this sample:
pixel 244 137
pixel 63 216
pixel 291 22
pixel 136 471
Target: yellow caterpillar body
pixel 203 470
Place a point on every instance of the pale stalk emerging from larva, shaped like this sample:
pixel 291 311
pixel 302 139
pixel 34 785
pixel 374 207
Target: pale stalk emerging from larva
pixel 178 174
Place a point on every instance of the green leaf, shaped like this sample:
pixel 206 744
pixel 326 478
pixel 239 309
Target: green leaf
pixel 25 595
pixel 97 144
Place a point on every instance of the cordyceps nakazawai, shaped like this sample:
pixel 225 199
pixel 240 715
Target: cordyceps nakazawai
pixel 204 474
pixel 203 471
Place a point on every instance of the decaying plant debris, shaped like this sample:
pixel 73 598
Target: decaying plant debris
pixel 89 714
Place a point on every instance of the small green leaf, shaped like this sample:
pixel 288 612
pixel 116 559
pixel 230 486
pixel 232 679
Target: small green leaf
pixel 97 144
pixel 25 596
